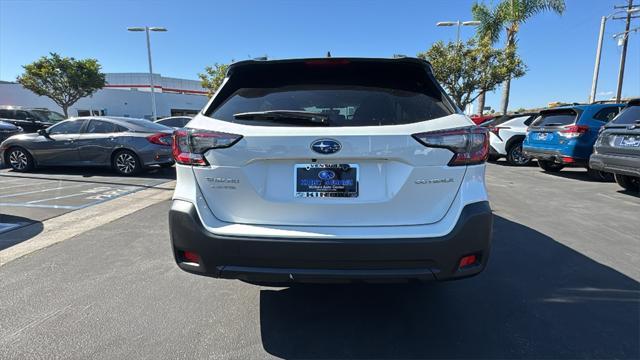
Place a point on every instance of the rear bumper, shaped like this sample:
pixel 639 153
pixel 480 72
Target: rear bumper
pixel 332 259
pixel 617 164
pixel 553 155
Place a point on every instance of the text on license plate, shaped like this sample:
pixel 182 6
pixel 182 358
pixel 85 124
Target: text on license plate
pixel 326 180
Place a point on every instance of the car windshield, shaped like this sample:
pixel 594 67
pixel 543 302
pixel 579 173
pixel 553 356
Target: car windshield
pixel 343 105
pixel 48 115
pixel 628 116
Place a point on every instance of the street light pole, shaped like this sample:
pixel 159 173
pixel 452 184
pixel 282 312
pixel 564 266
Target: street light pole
pixel 153 93
pixel 458 24
pixel 147 29
pixel 596 68
pixel 623 56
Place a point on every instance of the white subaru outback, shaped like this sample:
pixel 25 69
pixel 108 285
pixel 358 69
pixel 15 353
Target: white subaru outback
pixel 331 170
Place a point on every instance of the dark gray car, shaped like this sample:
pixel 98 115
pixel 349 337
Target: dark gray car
pixel 617 150
pixel 125 144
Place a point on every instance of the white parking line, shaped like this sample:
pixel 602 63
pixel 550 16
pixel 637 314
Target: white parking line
pixel 9 181
pixel 21 185
pixel 45 190
pixel 42 206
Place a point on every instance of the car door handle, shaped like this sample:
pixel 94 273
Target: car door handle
pixel 70 141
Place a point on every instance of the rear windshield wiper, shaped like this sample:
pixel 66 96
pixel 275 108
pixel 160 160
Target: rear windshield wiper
pixel 289 116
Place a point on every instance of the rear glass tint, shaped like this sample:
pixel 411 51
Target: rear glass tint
pixel 628 116
pixel 343 105
pixel 556 118
pixel 344 92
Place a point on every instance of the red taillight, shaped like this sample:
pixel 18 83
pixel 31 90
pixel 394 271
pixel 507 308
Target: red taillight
pixel 470 145
pixel 496 129
pixel 189 145
pixel 568 160
pixel 160 139
pixel 572 131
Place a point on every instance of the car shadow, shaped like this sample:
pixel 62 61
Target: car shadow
pixel 16 229
pixel 580 175
pixel 537 299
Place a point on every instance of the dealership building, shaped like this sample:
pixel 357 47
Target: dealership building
pixel 126 94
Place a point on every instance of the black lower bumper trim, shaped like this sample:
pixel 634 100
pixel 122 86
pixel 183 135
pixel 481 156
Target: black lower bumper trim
pixel 332 260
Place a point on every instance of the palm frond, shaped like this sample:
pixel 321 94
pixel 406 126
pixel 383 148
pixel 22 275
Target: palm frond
pixel 491 24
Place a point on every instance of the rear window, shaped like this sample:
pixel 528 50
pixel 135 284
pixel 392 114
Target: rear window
pixel 339 92
pixel 628 116
pixel 147 125
pixel 556 118
pixel 343 105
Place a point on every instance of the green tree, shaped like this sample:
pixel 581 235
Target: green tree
pixel 509 15
pixel 213 76
pixel 466 70
pixel 64 80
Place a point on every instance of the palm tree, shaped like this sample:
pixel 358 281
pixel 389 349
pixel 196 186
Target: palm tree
pixel 510 14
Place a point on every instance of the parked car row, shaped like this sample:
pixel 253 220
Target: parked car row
pixel 125 144
pixel 604 138
pixel 29 119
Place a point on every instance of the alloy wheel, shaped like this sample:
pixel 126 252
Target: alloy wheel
pixel 518 157
pixel 125 163
pixel 18 159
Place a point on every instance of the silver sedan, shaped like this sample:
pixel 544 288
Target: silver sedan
pixel 127 145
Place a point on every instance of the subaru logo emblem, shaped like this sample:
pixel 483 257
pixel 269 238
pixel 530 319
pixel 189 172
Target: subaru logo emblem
pixel 326 146
pixel 326 174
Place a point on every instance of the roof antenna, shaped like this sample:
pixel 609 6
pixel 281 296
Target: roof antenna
pixel 328 54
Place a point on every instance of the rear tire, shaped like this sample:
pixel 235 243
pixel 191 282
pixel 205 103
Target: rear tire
pixel 19 159
pixel 629 183
pixel 516 157
pixel 600 175
pixel 550 166
pixel 126 162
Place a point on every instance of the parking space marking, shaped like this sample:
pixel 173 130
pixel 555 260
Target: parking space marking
pixel 68 207
pixel 40 191
pixel 22 185
pixel 9 181
pixel 102 193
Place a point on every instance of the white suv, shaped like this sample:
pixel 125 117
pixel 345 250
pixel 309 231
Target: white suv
pixel 506 136
pixel 334 169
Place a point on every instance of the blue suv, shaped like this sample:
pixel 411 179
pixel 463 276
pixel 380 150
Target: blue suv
pixel 565 136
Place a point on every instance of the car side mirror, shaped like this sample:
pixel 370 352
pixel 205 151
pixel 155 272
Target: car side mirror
pixel 30 118
pixel 43 132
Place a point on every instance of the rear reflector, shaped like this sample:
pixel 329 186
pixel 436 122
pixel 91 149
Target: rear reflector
pixel 470 145
pixel 568 160
pixel 190 256
pixel 468 260
pixel 189 145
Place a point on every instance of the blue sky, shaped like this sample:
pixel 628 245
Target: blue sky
pixel 558 50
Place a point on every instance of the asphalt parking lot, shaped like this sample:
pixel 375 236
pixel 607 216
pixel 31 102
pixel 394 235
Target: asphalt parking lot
pixel 562 283
pixel 27 198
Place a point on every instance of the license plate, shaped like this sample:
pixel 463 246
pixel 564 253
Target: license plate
pixel 543 136
pixel 326 180
pixel 629 141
